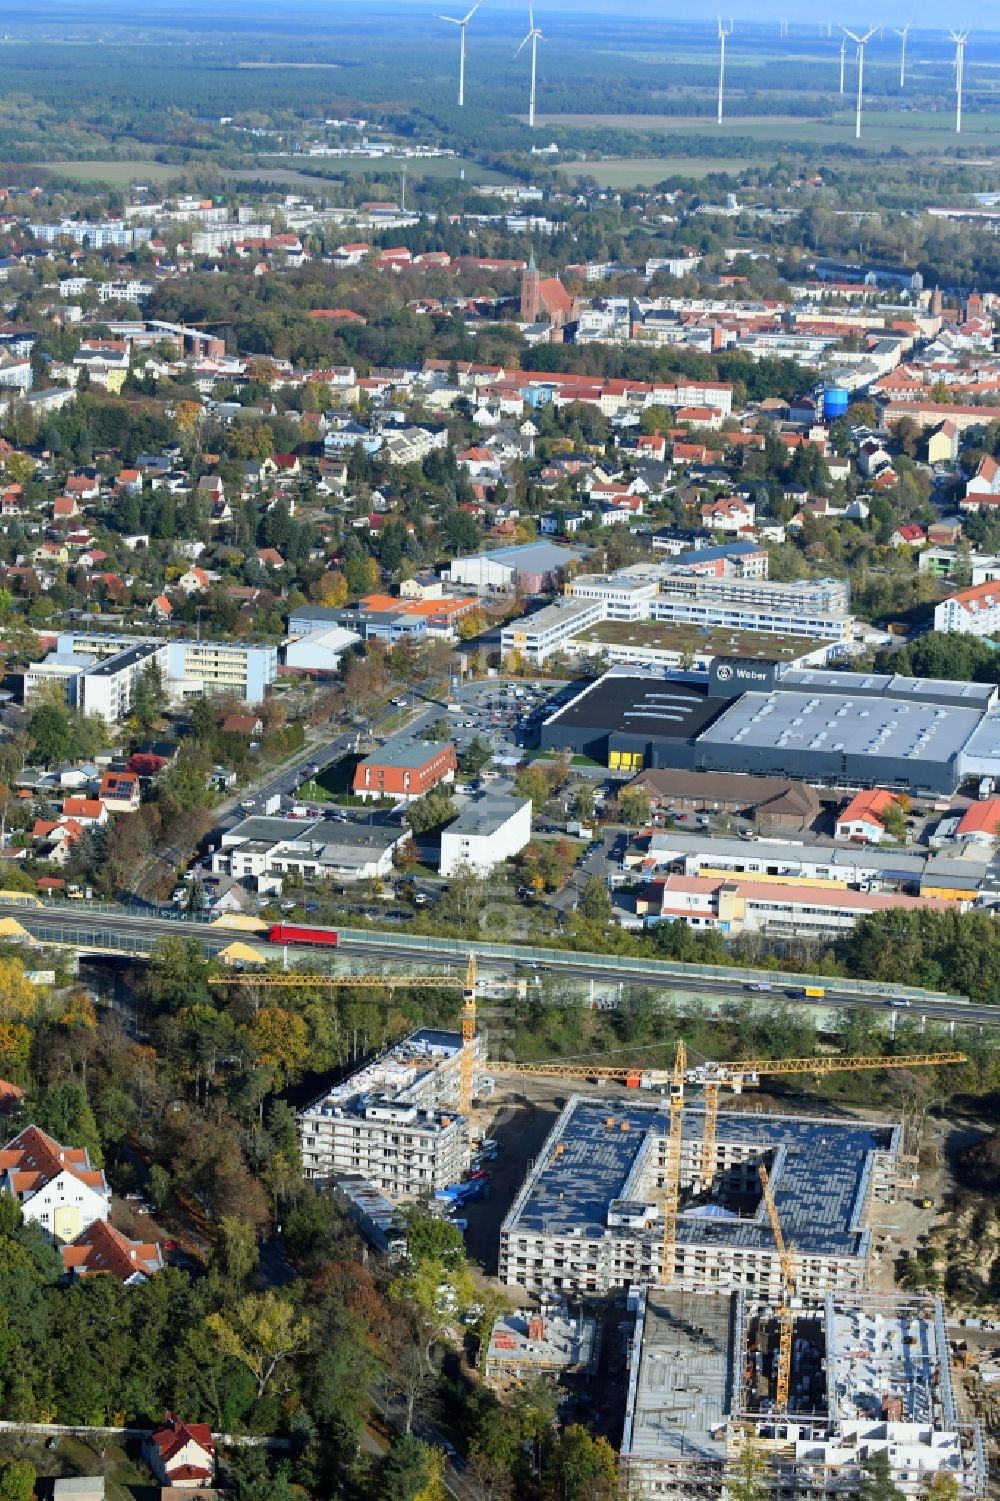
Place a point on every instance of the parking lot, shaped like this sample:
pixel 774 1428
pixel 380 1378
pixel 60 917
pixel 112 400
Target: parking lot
pixel 505 712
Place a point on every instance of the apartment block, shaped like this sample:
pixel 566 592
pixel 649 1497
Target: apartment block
pixel 588 1218
pixel 101 669
pixel 392 1122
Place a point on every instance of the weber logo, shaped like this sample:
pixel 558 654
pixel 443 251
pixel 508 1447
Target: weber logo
pixel 731 676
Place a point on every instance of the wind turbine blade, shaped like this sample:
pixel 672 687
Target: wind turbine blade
pixel 523 45
pixel 472 12
pixel 531 18
pixel 452 20
pixel 852 34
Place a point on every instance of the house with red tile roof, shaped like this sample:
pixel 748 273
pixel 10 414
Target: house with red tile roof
pixel 56 1186
pixel 85 810
pixel 11 1096
pixel 119 791
pixel 161 608
pixel 180 1454
pixel 980 823
pixel 64 508
pixel 983 487
pixel 971 612
pixel 862 819
pixel 101 1250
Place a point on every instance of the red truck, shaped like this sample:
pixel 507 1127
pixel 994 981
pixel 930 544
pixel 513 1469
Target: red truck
pixel 280 932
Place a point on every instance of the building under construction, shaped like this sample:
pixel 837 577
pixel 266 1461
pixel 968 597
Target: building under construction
pixel 589 1218
pixel 869 1376
pixel 394 1121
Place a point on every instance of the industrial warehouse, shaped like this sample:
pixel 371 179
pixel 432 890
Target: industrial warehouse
pixel 830 728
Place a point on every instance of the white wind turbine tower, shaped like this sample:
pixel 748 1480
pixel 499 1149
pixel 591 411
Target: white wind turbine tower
pixel 461 23
pixel 843 58
pixel 723 33
pixel 862 42
pixel 959 38
pixel 534 37
pixel 902 52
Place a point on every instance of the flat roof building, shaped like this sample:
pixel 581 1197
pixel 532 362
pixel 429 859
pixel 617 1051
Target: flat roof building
pixel 870 1377
pixel 405 768
pixel 751 717
pixel 391 1122
pixel 588 1219
pixel 488 831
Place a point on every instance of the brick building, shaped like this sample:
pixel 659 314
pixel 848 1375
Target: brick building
pixel 404 768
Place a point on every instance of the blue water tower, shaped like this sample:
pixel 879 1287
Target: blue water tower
pixel 835 402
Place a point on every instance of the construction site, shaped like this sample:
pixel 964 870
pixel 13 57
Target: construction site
pixel 742 1242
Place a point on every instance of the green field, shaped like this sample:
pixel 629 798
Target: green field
pixel 886 130
pixel 116 174
pixel 647 171
pixel 440 167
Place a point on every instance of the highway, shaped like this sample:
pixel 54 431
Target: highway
pixel 117 930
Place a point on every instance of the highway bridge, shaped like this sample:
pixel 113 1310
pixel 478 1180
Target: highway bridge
pixel 95 929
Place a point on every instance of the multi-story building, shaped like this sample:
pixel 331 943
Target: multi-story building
pixel 970 612
pixel 588 1218
pixel 100 670
pixel 488 831
pixel 405 768
pixel 870 1381
pixel 393 1121
pixel 93 236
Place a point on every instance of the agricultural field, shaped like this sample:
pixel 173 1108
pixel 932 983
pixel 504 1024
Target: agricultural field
pixel 913 132
pixel 440 168
pixel 115 174
pixel 647 171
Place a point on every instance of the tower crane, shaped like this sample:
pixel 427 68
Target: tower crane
pixel 787 1263
pixel 303 980
pixel 672 1172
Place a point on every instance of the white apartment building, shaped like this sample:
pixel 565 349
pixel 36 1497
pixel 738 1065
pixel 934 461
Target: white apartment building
pixel 970 612
pixel 190 669
pixel 393 1121
pixel 487 832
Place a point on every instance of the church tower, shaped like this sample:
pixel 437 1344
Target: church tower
pixel 531 292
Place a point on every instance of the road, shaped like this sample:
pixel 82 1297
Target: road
pixel 116 930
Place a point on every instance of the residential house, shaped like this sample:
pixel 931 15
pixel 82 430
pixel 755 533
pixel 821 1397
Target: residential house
pixel 119 791
pixel 728 514
pixel 942 444
pixel 56 1186
pixel 248 726
pixel 181 1454
pixel 971 612
pixel 86 811
pixel 983 487
pixel 980 823
pixel 101 1250
pixel 161 608
pixel 862 819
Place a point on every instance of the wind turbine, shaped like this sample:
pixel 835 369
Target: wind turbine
pixel 959 38
pixel 862 42
pixel 843 57
pixel 902 52
pixel 723 33
pixel 461 23
pixel 534 37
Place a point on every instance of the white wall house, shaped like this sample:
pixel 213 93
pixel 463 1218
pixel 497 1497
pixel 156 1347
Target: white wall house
pixel 486 832
pixel 56 1186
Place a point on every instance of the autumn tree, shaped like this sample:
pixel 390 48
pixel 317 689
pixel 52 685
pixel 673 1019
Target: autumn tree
pixel 261 1332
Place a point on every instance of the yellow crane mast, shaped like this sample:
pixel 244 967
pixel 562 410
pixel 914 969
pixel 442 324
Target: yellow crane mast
pixel 302 980
pixel 786 1261
pixel 744 1073
pixel 672 1172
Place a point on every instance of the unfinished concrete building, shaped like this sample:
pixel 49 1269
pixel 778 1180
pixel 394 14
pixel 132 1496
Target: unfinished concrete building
pixel 870 1376
pixel 393 1121
pixel 588 1218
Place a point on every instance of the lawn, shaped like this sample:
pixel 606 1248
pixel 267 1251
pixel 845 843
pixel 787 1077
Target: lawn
pixel 116 174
